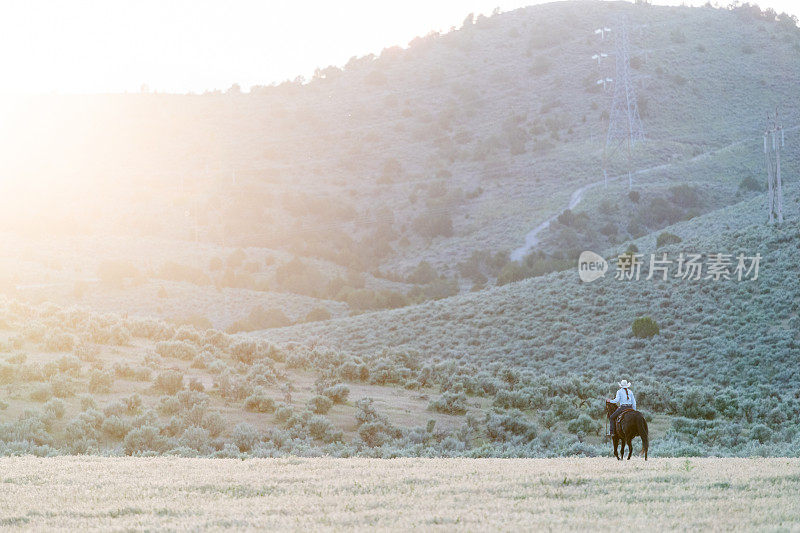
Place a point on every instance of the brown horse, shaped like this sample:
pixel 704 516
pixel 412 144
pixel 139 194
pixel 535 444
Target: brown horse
pixel 630 424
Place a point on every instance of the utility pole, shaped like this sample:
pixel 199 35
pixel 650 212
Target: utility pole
pixel 599 57
pixel 604 81
pixel 602 32
pixel 773 143
pixel 624 125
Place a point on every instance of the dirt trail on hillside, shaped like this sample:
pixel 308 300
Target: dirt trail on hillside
pixel 532 237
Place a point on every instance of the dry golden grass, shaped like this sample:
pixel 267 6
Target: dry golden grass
pixel 484 494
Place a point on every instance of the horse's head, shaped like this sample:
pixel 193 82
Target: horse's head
pixel 610 408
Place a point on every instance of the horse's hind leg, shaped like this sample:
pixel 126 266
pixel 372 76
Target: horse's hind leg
pixel 630 448
pixel 621 450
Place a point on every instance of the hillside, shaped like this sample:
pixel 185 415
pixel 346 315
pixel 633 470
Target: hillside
pixel 323 267
pixel 447 151
pixel 553 319
pixel 721 344
pixel 517 370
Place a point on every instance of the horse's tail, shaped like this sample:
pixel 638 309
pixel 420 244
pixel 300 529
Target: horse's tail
pixel 641 425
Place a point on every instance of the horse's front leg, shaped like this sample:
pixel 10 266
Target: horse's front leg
pixel 630 448
pixel 621 449
pixel 615 440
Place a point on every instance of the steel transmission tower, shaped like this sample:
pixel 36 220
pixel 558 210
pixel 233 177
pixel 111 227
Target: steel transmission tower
pixel 773 144
pixel 625 127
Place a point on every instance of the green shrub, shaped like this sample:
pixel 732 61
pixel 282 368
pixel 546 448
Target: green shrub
pixel 259 403
pixel 584 425
pixel 373 434
pixel 195 320
pixel 7 373
pixel 176 350
pixel 564 408
pixel 260 318
pixel 132 403
pixel 55 408
pixel 644 327
pixel 245 436
pixel 145 439
pixel 677 36
pixel 248 351
pixel 115 409
pixel 507 426
pixel 319 427
pixel 438 289
pixel 750 184
pixel 125 371
pixel 433 224
pixel 69 364
pixel 196 438
pixel 169 382
pixel 666 238
pixel 452 403
pixel 87 402
pixel 150 328
pixel 609 229
pixel 100 381
pixel 214 423
pixel 508 399
pixel 697 403
pixel 318 314
pixel 337 393
pixel 119 335
pixel 423 274
pixel 80 437
pixel 549 419
pixel 86 352
pixel 685 195
pixel 17 359
pixel 320 404
pixel 116 427
pixel 302 278
pixel 56 340
pixel 282 412
pixel 761 433
pixel 62 386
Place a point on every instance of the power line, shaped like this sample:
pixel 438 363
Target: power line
pixel 624 125
pixel 310 227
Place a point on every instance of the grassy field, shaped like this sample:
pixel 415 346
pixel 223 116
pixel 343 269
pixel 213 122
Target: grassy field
pixel 574 494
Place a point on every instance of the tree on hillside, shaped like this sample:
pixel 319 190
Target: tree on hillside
pixel 434 224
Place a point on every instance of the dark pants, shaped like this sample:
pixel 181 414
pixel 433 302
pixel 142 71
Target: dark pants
pixel 617 413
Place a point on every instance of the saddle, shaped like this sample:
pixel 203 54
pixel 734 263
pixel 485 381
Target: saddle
pixel 618 420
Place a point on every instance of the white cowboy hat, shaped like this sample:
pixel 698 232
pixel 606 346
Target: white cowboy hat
pixel 624 384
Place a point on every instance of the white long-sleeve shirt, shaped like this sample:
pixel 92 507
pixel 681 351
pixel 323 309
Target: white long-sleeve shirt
pixel 622 399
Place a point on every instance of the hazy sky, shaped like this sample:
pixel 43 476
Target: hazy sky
pixel 180 46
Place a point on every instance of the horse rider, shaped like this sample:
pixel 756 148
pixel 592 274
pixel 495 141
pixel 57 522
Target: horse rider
pixel 624 399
